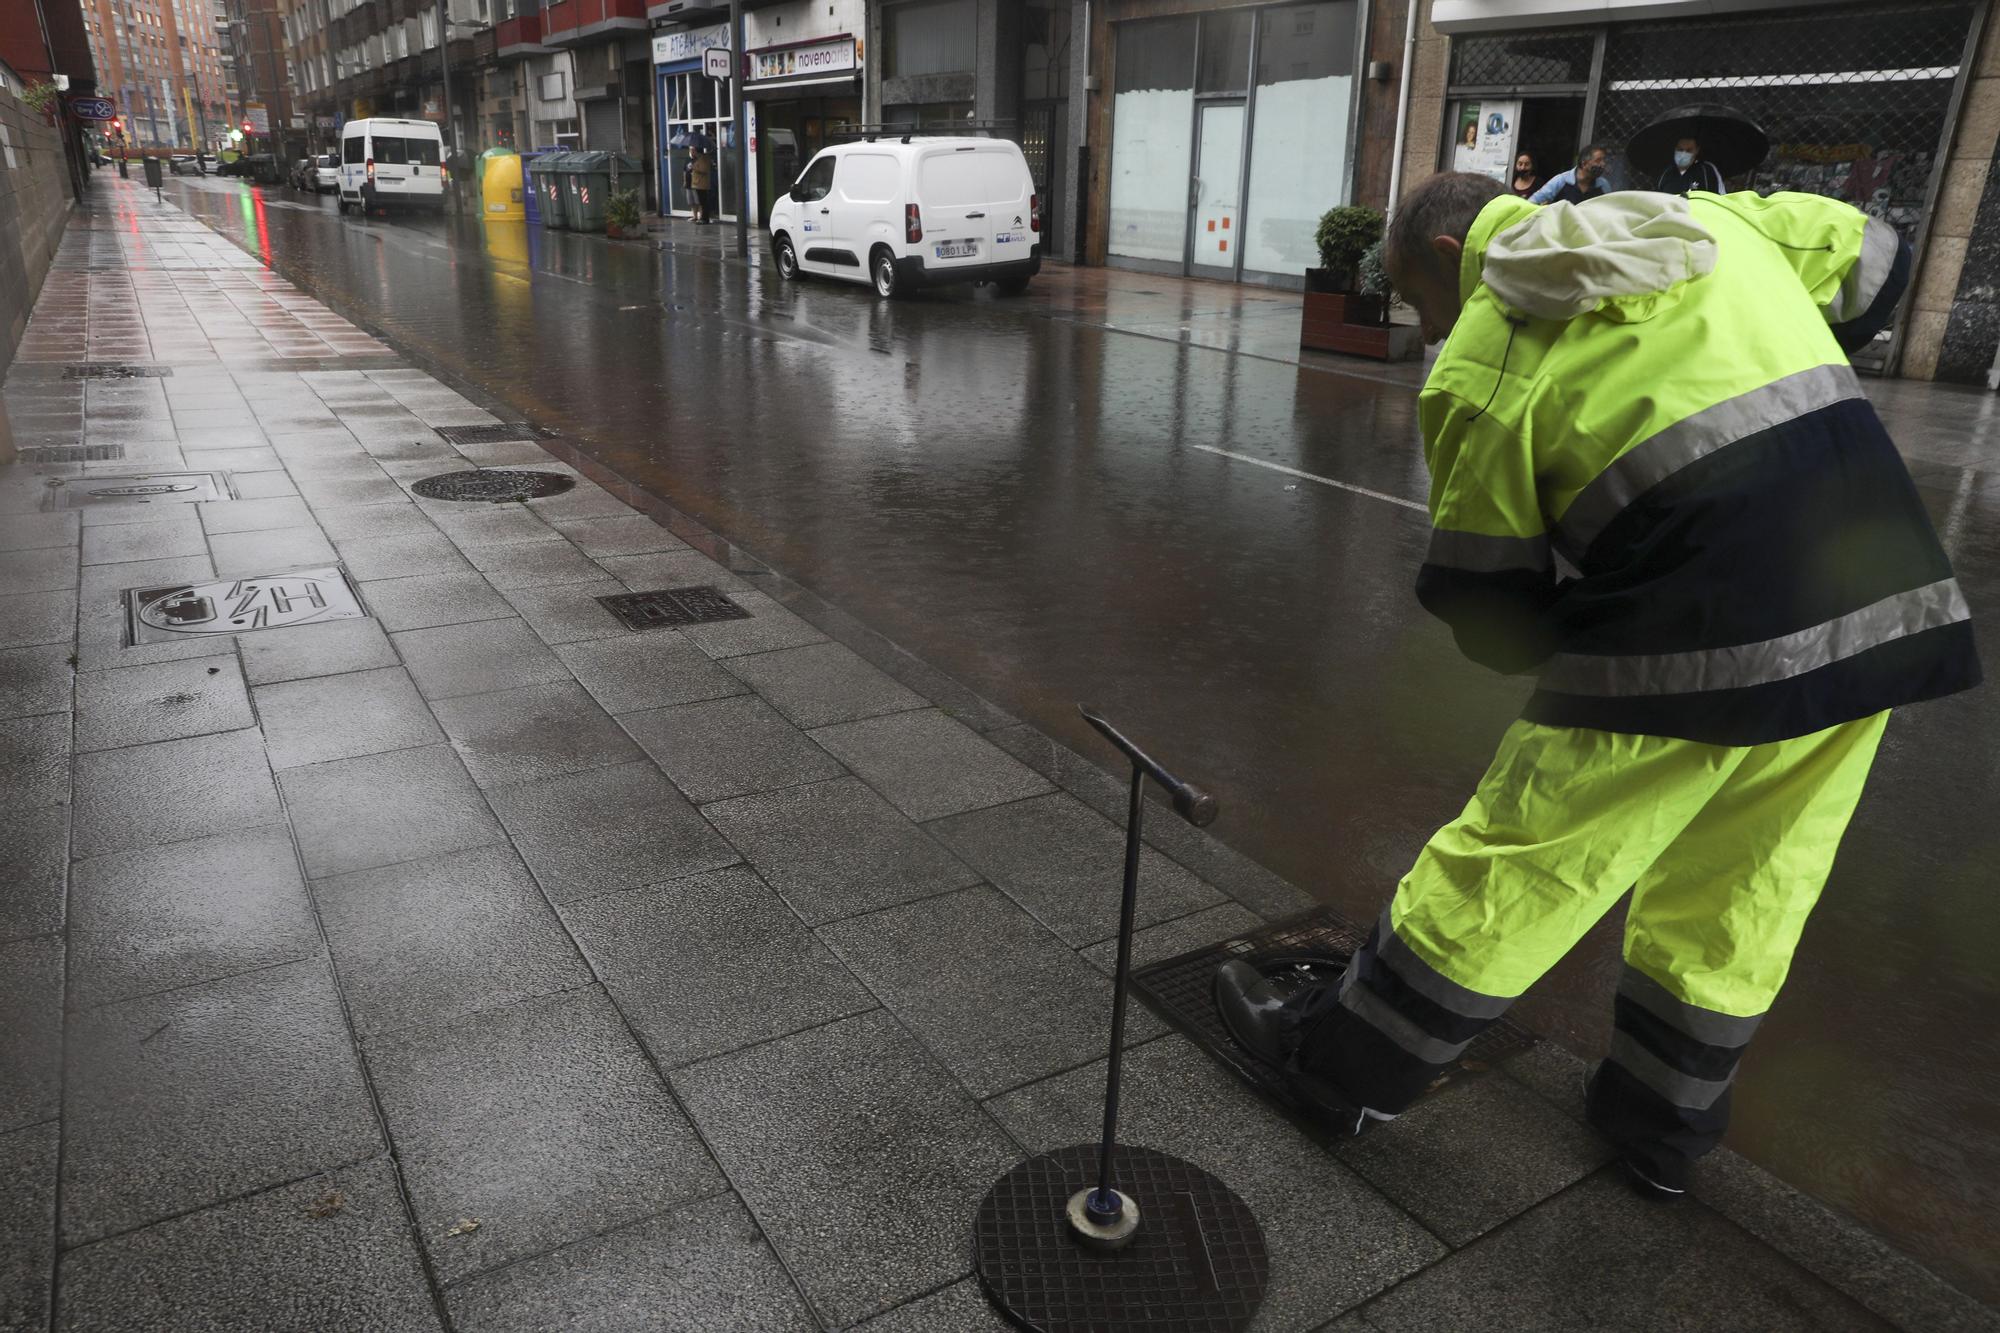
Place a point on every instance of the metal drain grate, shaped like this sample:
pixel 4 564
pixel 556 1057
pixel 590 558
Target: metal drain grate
pixel 504 433
pixel 1180 991
pixel 72 453
pixel 114 370
pixel 672 607
pixel 493 485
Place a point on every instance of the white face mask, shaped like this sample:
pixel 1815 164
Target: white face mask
pixel 1683 160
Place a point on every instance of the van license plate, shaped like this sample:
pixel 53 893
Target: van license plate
pixel 957 249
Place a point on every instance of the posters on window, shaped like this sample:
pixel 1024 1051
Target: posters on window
pixel 1486 133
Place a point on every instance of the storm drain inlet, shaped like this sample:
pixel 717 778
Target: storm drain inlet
pixel 670 608
pixel 505 433
pixel 493 485
pixel 73 453
pixel 114 370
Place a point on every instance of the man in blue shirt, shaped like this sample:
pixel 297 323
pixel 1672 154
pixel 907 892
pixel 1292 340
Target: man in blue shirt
pixel 1592 154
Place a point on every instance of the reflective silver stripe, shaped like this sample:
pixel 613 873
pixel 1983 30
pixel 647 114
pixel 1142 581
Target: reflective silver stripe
pixel 1433 985
pixel 1377 1013
pixel 1657 457
pixel 1864 281
pixel 1745 664
pixel 1488 555
pixel 1680 1089
pixel 1704 1025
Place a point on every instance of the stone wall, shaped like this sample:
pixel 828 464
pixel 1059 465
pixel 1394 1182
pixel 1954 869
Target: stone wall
pixel 35 196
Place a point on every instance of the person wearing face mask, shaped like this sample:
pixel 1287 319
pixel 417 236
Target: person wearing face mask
pixel 1587 181
pixel 1525 179
pixel 1593 155
pixel 1690 171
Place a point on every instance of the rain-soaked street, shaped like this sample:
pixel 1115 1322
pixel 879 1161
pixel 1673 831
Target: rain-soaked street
pixel 1033 503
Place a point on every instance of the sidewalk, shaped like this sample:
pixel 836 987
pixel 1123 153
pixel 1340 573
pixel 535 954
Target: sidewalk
pixel 479 963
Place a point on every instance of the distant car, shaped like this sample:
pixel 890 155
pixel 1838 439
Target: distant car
pixel 326 174
pixel 919 212
pixel 180 164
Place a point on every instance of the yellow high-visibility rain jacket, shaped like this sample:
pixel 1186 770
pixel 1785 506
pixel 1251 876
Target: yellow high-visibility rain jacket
pixel 1655 480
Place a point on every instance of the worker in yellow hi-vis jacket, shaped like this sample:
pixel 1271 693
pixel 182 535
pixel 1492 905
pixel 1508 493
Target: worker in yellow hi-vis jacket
pixel 1656 485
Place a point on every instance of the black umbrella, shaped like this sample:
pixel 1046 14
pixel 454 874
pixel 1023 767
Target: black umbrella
pixel 1728 138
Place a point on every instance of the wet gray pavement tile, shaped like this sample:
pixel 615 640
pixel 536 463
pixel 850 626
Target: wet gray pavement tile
pixel 1170 939
pixel 492 525
pixel 608 829
pixel 634 534
pixel 29 532
pixel 1680 1267
pixel 35 761
pixel 160 701
pixel 34 861
pixel 711 963
pixel 962 1308
pixel 31 1033
pixel 823 683
pixel 27 1225
pixel 769 627
pixel 379 809
pixel 339 717
pixel 729 747
pixel 159 917
pixel 249 454
pixel 1474 1154
pixel 1552 1073
pixel 640 671
pixel 858 1156
pixel 1065 863
pixel 179 1100
pixel 242 553
pixel 344 463
pixel 704 1265
pixel 37 679
pixel 477 658
pixel 263 486
pixel 566 613
pixel 402 556
pixel 328 649
pixel 270 515
pixel 177 534
pixel 834 849
pixel 368 523
pixel 588 500
pixel 671 569
pixel 1333 1240
pixel 535 565
pixel 541 1119
pixel 37 617
pixel 1000 1000
pixel 323 490
pixel 328 1254
pixel 427 941
pixel 171 791
pixel 929 765
pixel 434 599
pixel 133 515
pixel 48 569
pixel 505 453
pixel 537 731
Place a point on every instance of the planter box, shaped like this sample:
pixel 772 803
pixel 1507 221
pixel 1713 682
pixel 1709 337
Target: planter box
pixel 1354 325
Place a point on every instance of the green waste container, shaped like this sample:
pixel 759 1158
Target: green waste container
pixel 587 186
pixel 545 171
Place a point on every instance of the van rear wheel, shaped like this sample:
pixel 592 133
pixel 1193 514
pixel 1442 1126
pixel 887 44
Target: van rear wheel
pixel 884 273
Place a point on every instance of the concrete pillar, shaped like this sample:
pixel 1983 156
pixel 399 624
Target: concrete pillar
pixel 1076 136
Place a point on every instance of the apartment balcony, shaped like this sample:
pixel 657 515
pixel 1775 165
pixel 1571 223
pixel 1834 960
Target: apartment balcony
pixel 577 22
pixel 519 37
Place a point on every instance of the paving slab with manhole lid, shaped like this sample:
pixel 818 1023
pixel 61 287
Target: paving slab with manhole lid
pixel 669 608
pixel 135 488
pixel 239 606
pixel 504 433
pixel 493 485
pixel 1313 946
pixel 114 370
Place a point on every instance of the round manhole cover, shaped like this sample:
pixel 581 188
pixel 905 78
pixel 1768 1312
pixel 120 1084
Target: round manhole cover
pixel 493 485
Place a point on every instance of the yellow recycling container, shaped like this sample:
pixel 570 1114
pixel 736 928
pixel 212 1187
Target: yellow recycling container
pixel 500 188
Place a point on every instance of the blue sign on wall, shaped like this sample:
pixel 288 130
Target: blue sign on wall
pixel 93 108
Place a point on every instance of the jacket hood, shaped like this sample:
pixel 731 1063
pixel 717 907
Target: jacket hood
pixel 1625 256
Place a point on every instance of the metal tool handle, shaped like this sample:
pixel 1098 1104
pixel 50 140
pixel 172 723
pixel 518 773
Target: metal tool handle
pixel 1193 804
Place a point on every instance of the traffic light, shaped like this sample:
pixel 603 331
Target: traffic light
pixel 246 127
pixel 235 136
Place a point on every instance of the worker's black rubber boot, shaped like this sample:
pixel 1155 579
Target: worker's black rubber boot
pixel 1261 1014
pixel 1655 1171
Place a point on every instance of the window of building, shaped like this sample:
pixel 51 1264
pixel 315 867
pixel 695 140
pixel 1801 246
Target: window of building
pixel 930 37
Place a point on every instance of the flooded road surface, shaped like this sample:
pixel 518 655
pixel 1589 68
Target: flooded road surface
pixel 1033 505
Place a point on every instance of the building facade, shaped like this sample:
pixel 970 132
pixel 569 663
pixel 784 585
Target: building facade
pixel 160 62
pixel 409 58
pixel 260 53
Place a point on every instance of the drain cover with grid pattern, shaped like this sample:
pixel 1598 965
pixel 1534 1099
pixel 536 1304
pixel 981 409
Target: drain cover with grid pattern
pixel 493 485
pixel 671 607
pixel 113 370
pixel 503 433
pixel 1197 1264
pixel 72 453
pixel 1181 990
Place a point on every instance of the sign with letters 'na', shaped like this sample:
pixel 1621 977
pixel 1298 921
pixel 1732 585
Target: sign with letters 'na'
pixel 715 62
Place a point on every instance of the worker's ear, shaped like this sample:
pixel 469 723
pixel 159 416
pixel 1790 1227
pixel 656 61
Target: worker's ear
pixel 1449 248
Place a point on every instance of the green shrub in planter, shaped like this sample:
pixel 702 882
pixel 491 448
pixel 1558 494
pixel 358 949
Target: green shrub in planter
pixel 623 210
pixel 1374 274
pixel 1343 237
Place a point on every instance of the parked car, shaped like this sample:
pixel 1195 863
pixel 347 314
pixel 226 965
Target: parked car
pixel 387 162
pixel 910 213
pixel 181 164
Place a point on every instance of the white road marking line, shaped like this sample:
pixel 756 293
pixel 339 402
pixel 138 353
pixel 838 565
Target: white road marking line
pixel 1308 476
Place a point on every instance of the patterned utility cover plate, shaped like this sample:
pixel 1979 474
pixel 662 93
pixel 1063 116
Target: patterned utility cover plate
pixel 238 606
pixel 135 488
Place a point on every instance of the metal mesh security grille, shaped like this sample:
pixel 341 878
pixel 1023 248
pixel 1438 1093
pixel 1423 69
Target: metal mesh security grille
pixel 1521 59
pixel 1854 99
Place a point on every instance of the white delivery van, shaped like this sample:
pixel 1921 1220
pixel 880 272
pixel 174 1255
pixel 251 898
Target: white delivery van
pixel 912 212
pixel 390 163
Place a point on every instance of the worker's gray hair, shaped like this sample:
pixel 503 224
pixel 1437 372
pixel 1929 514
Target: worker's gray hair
pixel 1444 205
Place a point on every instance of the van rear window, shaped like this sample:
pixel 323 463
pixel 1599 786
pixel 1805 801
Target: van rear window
pixel 397 151
pixel 979 177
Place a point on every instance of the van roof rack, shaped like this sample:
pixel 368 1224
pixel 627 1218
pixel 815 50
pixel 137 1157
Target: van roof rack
pixel 905 132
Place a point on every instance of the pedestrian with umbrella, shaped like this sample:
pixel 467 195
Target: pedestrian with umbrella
pixel 1696 147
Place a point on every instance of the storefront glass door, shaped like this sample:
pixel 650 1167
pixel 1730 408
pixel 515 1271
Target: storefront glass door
pixel 1217 191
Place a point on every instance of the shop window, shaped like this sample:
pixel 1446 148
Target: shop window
pixel 1298 139
pixel 1225 52
pixel 930 37
pixel 1152 138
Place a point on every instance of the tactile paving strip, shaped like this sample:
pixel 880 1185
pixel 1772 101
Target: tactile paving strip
pixel 493 485
pixel 1181 990
pixel 668 608
pixel 1197 1265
